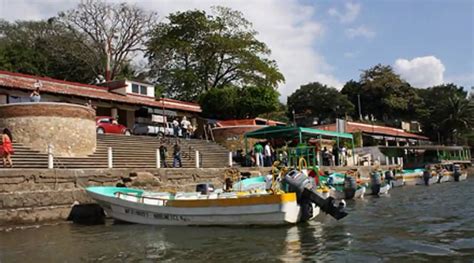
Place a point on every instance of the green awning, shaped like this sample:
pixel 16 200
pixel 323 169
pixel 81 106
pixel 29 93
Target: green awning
pixel 293 132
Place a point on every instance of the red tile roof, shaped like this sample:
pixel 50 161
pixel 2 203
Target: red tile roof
pixel 227 123
pixel 352 127
pixel 54 86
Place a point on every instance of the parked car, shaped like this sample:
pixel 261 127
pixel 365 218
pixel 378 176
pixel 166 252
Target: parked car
pixel 107 124
pixel 159 130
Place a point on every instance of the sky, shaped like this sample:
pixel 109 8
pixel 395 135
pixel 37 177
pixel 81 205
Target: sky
pixel 427 42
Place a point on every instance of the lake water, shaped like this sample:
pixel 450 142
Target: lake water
pixel 412 224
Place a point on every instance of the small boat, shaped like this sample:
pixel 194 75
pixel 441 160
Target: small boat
pixel 384 188
pixel 209 207
pixel 194 208
pixel 410 177
pixel 337 192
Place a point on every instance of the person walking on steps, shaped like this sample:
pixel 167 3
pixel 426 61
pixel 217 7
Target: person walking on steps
pixel 7 148
pixel 177 155
pixel 163 155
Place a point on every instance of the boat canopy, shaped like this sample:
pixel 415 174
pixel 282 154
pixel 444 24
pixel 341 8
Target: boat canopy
pixel 294 132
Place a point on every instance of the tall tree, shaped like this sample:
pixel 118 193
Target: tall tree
pixel 315 100
pixel 383 94
pixel 446 114
pixel 196 52
pixel 108 33
pixel 237 103
pixel 42 48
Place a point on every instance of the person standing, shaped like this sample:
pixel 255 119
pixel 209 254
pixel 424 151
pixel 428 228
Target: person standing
pixel 7 148
pixel 177 155
pixel 163 155
pixel 35 95
pixel 258 150
pixel 268 155
pixel 185 126
pixel 175 127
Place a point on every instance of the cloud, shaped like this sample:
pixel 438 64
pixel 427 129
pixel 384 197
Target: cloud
pixel 360 31
pixel 350 13
pixel 421 72
pixel 288 27
pixel 351 54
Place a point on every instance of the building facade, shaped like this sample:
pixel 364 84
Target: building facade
pixel 128 101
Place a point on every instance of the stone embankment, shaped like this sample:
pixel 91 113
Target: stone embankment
pixel 38 196
pixel 31 196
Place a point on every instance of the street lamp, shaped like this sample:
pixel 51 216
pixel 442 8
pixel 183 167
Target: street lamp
pixel 294 118
pixel 163 113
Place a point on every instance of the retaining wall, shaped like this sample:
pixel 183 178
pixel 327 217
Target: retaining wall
pixel 69 128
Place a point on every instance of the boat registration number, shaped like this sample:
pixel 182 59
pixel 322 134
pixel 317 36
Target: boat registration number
pixel 157 216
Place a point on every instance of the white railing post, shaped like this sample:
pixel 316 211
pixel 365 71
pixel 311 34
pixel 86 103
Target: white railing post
pixel 257 159
pixel 393 161
pixel 230 159
pixel 109 158
pixel 50 157
pixel 387 161
pixel 158 158
pixel 197 159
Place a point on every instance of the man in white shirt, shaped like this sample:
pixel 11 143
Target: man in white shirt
pixel 175 127
pixel 185 125
pixel 268 155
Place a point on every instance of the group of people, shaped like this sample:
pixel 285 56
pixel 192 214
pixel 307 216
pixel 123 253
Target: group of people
pixel 336 157
pixel 263 154
pixel 184 126
pixel 176 155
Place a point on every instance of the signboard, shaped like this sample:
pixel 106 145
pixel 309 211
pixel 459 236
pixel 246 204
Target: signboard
pixel 158 118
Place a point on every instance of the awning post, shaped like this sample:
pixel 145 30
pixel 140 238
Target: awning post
pixel 353 152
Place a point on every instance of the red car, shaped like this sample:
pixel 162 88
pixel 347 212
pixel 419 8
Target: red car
pixel 107 124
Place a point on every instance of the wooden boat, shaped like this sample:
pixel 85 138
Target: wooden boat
pixel 339 193
pixel 139 206
pixel 411 177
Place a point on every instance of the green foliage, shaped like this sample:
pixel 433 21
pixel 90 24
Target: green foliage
pixel 320 101
pixel 41 48
pixel 195 52
pixel 383 94
pixel 235 103
pixel 280 114
pixel 446 112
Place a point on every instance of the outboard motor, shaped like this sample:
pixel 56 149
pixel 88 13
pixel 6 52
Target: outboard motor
pixel 350 187
pixel 456 172
pixel 205 188
pixel 301 184
pixel 376 182
pixel 389 177
pixel 426 177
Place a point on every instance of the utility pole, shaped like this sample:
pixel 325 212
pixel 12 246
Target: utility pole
pixel 360 110
pixel 294 118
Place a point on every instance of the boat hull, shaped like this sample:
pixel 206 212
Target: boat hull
pixel 261 210
pixel 336 194
pixel 432 180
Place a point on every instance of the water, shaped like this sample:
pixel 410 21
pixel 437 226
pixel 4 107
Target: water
pixel 412 224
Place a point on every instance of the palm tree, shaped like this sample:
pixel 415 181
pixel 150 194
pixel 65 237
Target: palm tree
pixel 460 116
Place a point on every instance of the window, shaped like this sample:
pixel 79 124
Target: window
pixel 104 121
pixel 143 90
pixel 135 88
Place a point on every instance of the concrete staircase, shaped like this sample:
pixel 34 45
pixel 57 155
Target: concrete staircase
pixel 128 152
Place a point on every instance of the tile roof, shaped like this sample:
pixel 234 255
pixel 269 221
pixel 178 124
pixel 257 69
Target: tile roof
pixel 54 86
pixel 239 122
pixel 352 127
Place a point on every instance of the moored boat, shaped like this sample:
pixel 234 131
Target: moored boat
pixel 207 207
pixel 138 206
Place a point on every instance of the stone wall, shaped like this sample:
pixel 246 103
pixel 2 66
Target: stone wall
pixel 233 137
pixel 38 196
pixel 69 128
